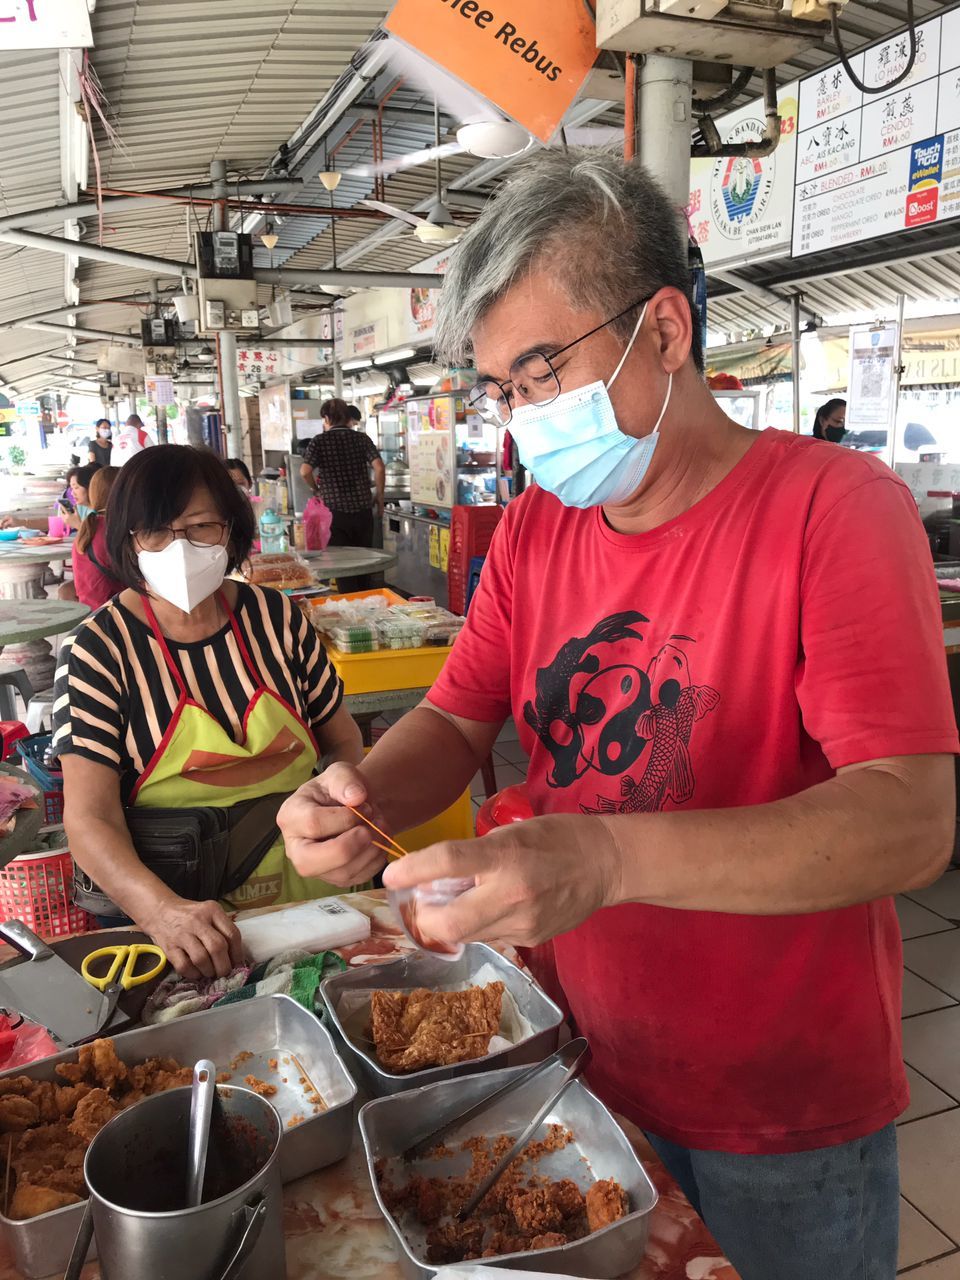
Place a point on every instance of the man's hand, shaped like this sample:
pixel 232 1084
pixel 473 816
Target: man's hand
pixel 534 880
pixel 199 938
pixel 322 837
pixel 380 505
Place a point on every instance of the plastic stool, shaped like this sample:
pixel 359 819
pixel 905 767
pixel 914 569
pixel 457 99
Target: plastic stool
pixel 473 577
pixel 11 732
pixel 40 712
pixel 13 678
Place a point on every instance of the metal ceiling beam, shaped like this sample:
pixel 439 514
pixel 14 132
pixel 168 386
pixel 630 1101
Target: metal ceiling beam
pixel 777 300
pixel 102 335
pixel 97 253
pixel 350 279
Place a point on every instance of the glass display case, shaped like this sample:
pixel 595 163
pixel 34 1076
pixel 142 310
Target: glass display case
pixel 452 452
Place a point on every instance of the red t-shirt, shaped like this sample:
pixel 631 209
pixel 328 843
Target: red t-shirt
pixel 94 583
pixel 786 625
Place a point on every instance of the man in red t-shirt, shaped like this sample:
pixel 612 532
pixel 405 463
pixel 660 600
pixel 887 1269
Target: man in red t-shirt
pixel 724 655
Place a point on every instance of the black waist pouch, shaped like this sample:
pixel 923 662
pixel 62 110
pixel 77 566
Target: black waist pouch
pixel 199 853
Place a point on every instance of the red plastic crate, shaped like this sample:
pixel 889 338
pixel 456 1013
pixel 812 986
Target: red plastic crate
pixel 471 532
pixel 37 888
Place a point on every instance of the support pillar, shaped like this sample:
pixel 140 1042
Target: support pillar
pixel 226 342
pixel 664 123
pixel 795 357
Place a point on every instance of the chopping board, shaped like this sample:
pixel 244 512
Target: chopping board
pixel 75 950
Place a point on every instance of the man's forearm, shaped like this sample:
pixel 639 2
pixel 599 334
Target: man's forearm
pixel 862 835
pixel 419 768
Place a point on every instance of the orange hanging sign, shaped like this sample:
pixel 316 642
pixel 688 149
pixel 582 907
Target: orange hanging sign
pixel 528 57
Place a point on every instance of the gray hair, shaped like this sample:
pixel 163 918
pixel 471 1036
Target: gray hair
pixel 603 225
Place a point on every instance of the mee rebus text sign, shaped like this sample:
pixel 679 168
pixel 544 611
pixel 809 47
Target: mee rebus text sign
pixel 44 24
pixel 528 57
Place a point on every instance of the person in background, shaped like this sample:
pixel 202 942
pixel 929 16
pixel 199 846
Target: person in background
pixel 734 761
pixel 189 690
pixel 133 439
pixel 93 580
pixel 101 447
pixel 240 474
pixel 75 499
pixel 354 416
pixel 336 465
pixel 831 421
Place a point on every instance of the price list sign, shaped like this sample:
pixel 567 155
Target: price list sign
pixel 872 164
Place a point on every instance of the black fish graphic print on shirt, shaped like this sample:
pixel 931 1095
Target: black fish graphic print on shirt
pixel 598 710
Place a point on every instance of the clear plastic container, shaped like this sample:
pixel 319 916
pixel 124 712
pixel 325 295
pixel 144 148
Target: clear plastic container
pixel 406 904
pixel 355 638
pixel 400 633
pixel 443 632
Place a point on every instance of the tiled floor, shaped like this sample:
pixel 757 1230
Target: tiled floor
pixel 929 1131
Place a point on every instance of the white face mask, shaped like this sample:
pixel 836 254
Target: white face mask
pixel 183 574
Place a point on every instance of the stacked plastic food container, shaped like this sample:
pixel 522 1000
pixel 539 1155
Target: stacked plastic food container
pixel 369 623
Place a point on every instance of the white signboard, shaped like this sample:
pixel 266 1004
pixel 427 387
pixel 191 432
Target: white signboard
pixel 871 387
pixel 741 209
pixel 276 422
pixel 874 164
pixel 44 24
pixel 431 469
pixel 160 391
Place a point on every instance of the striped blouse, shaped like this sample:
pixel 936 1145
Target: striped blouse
pixel 114 694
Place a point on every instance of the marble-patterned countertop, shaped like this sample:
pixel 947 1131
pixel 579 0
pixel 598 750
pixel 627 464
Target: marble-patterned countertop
pixel 335 1231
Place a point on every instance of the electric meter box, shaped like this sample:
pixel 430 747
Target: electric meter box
pixel 740 33
pixel 158 332
pixel 228 305
pixel 225 255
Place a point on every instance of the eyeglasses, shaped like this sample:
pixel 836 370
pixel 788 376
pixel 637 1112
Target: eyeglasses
pixel 532 376
pixel 208 533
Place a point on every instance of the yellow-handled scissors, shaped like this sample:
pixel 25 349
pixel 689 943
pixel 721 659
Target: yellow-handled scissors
pixel 123 958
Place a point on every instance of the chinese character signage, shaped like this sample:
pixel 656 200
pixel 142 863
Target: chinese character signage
pixel 897 163
pixel 740 208
pixel 254 364
pixel 44 24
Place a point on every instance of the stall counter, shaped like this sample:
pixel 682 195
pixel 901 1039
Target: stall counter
pixel 334 1230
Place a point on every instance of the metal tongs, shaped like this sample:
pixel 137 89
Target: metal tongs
pixel 573 1056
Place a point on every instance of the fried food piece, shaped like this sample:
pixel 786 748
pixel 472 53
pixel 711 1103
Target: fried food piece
pixel 92 1113
pixel 20 1085
pixel 156 1075
pixel 68 1095
pixel 452 1241
pixel 429 1202
pixel 72 1072
pixel 260 1086
pixel 549 1240
pixel 17 1114
pixel 103 1066
pixel 606 1203
pixel 44 1098
pixel 29 1201
pixel 419 1029
pixel 50 1155
pixel 568 1197
pixel 535 1212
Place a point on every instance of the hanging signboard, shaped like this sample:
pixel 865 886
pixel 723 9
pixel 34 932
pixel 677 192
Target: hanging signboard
pixel 160 391
pixel 873 164
pixel 44 24
pixel 870 394
pixel 276 421
pixel 421 319
pixel 530 58
pixel 741 210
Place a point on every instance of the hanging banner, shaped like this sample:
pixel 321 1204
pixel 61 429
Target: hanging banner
pixel 529 57
pixel 44 24
pixel 871 386
pixel 874 164
pixel 160 391
pixel 741 209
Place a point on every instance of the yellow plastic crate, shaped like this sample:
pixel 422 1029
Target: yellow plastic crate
pixel 386 669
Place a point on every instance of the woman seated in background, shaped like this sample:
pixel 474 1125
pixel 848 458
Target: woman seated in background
pixel 240 474
pixel 75 500
pixel 93 579
pixel 186 692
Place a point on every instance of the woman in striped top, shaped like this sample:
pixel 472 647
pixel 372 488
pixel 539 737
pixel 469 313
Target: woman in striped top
pixel 187 691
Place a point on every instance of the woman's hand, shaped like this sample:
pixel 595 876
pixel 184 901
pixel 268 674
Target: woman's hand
pixel 199 938
pixel 534 880
pixel 322 837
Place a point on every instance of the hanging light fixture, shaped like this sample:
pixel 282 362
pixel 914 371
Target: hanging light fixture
pixel 330 179
pixel 439 226
pixel 268 237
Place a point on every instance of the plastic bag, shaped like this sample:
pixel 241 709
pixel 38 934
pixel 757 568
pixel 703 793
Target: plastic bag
pixel 23 1042
pixel 317 519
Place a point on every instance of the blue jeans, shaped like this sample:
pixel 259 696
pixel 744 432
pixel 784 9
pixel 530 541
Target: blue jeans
pixel 829 1214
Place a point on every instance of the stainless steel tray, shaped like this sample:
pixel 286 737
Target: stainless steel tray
pixel 389 1125
pixel 423 970
pixel 269 1026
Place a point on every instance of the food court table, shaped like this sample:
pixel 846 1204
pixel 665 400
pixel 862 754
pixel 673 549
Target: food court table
pixel 348 562
pixel 334 1230
pixel 24 626
pixel 22 569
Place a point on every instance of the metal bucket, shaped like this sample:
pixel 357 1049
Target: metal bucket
pixel 136 1169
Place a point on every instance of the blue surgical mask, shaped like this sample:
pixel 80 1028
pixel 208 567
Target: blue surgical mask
pixel 83 510
pixel 575 448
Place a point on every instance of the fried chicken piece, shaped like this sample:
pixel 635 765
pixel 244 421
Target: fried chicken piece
pixel 535 1212
pixel 50 1153
pixel 92 1113
pixel 568 1197
pixel 19 1085
pixel 44 1098
pixel 549 1240
pixel 419 1029
pixel 102 1065
pixel 606 1203
pixel 30 1201
pixel 502 1242
pixel 156 1075
pixel 67 1097
pixel 17 1114
pixel 72 1072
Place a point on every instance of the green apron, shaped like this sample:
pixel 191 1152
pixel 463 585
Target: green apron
pixel 198 764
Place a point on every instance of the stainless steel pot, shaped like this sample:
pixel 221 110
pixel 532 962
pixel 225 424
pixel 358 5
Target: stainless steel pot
pixel 136 1169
